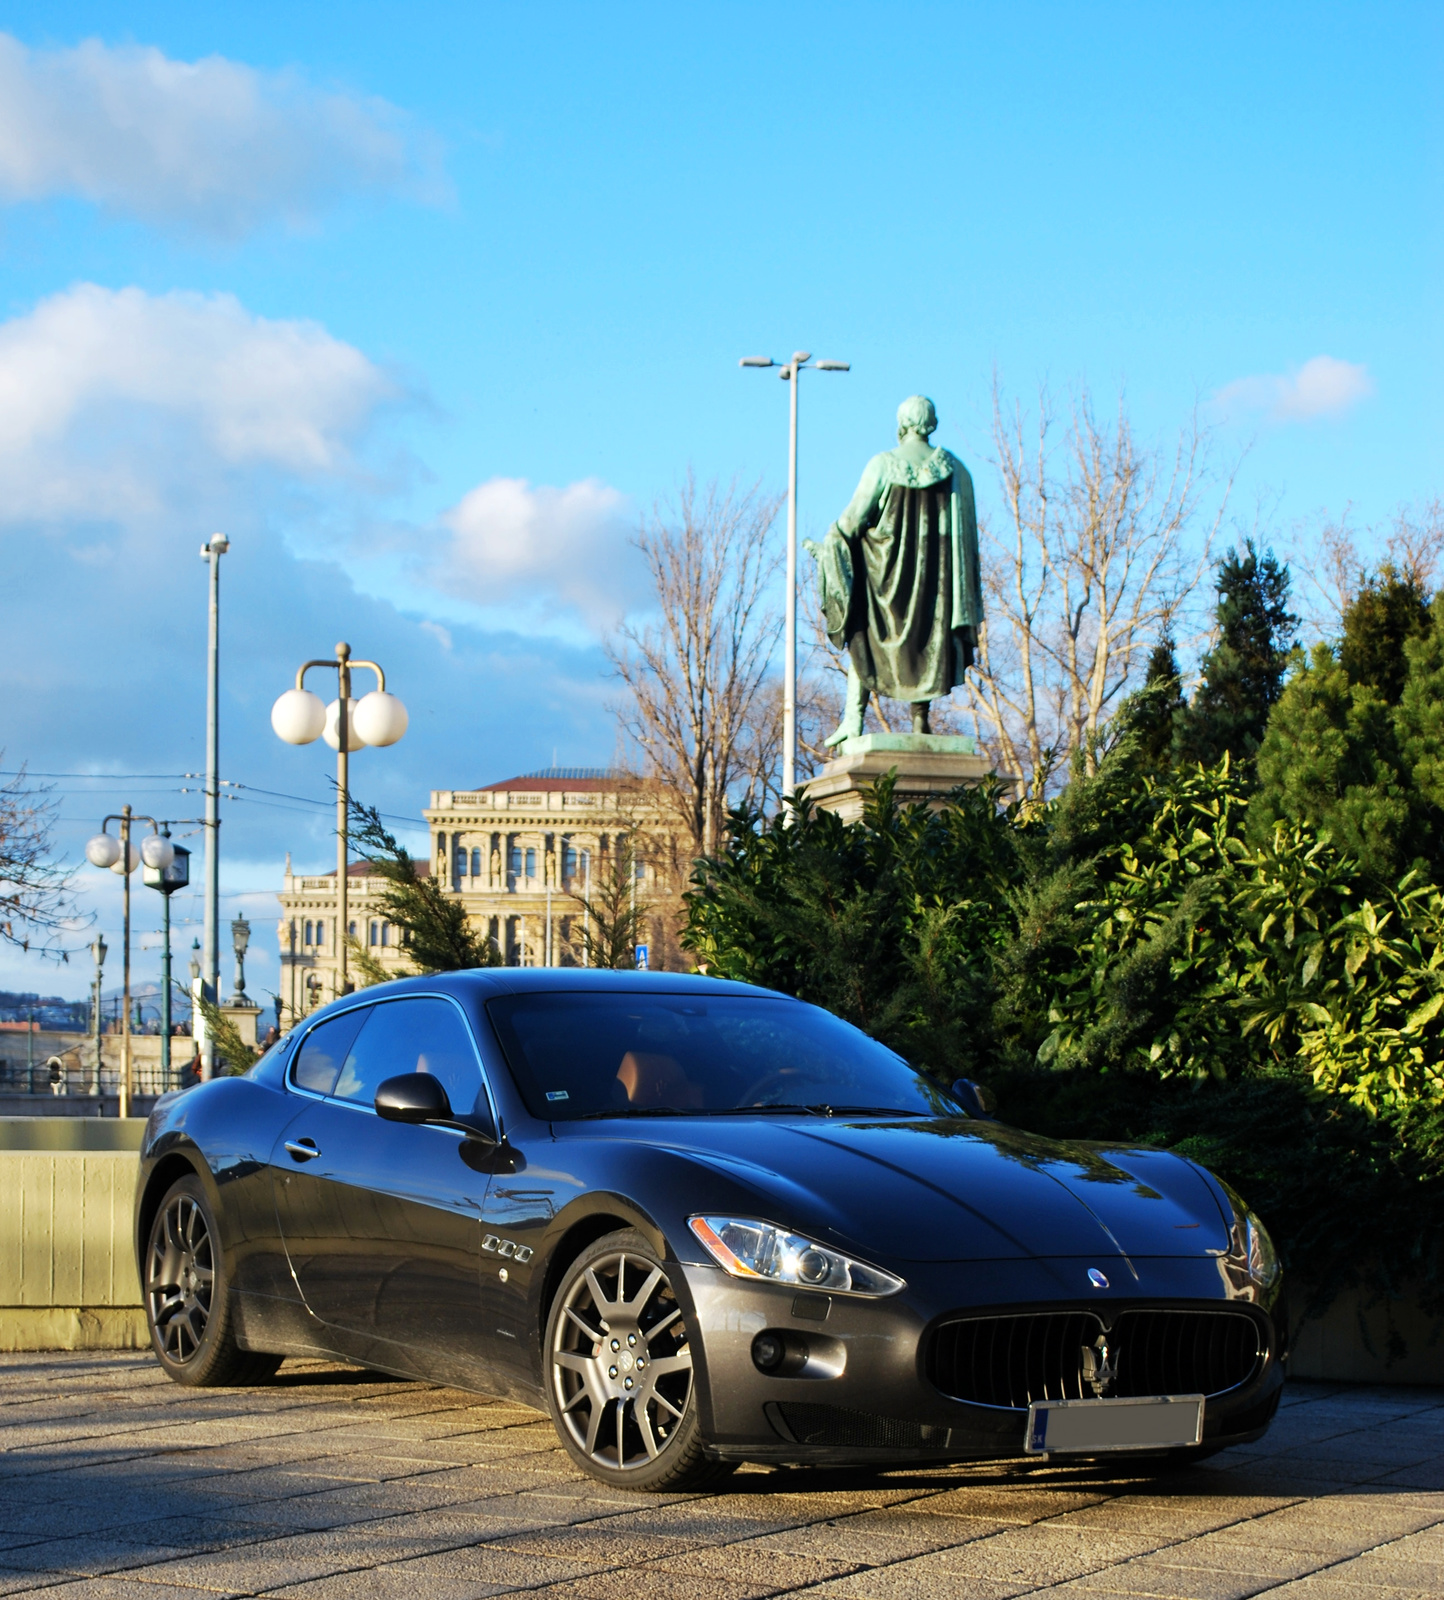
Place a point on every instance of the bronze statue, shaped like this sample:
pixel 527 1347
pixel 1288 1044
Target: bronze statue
pixel 897 575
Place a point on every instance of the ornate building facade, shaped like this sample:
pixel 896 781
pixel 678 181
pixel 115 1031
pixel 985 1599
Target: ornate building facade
pixel 522 856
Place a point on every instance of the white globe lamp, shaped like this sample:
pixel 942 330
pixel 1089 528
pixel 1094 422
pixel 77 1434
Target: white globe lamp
pixel 299 717
pixel 157 852
pixel 119 867
pixel 103 850
pixel 379 718
pixel 332 735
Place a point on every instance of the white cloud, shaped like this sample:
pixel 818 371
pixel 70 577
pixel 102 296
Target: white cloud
pixel 211 144
pixel 110 397
pixel 531 551
pixel 1323 387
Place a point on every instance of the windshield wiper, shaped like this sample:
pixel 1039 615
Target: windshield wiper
pixel 822 1108
pixel 635 1111
pixel 862 1111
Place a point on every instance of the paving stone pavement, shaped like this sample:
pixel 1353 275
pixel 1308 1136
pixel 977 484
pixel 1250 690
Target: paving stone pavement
pixel 330 1482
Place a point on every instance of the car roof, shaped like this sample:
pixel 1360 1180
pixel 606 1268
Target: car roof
pixel 483 983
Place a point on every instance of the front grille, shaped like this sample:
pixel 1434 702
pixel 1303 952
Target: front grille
pixel 1038 1355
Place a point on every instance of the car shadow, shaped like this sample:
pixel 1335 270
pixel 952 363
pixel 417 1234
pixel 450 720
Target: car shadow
pixel 290 1377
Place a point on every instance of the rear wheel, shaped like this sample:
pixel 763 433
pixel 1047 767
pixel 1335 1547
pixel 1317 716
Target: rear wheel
pixel 187 1304
pixel 620 1378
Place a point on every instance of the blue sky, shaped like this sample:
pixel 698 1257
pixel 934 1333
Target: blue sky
pixel 424 304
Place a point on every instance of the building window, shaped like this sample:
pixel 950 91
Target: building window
pixel 372 934
pixel 351 929
pixel 385 931
pixel 461 863
pixel 309 927
pixel 513 859
pixel 569 859
pixel 531 863
pixel 475 862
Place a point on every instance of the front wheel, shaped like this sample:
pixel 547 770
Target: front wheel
pixel 187 1304
pixel 620 1382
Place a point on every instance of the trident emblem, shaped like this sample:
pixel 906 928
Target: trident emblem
pixel 1098 1370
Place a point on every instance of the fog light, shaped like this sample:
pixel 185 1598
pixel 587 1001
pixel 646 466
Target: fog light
pixel 767 1352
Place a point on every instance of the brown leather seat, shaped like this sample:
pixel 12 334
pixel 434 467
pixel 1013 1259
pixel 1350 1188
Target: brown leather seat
pixel 651 1079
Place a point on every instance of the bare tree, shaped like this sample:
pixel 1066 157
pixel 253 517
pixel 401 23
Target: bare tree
pixel 698 705
pixel 37 905
pixel 1335 566
pixel 1096 548
pixel 613 915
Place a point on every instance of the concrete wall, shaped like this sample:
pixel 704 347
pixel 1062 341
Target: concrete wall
pixel 68 1278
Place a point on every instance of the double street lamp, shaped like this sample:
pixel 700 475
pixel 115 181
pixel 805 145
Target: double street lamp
pixel 377 718
pixel 120 855
pixel 790 373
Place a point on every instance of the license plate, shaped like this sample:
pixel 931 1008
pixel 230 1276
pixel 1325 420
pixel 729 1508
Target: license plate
pixel 1089 1427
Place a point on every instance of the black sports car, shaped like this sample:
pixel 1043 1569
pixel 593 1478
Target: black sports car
pixel 699 1223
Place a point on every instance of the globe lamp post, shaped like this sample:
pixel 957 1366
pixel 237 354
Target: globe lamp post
pixel 176 874
pixel 98 949
pixel 121 856
pixel 378 718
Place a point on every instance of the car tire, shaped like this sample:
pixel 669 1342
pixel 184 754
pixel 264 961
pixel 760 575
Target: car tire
pixel 187 1299
pixel 621 1386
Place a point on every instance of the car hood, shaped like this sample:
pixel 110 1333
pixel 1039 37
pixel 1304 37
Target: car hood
pixel 954 1190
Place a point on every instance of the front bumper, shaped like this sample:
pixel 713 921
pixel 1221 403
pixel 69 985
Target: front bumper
pixel 863 1393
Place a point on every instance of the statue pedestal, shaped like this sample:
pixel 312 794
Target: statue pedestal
pixel 245 1015
pixel 928 765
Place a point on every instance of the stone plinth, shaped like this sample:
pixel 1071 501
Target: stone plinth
pixel 246 1016
pixel 928 765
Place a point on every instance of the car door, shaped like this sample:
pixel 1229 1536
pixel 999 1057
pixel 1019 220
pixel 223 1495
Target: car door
pixel 382 1219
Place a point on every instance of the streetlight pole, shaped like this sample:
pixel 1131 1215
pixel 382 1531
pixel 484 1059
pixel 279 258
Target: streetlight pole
pixel 97 949
pixel 377 718
pixel 211 552
pixel 791 373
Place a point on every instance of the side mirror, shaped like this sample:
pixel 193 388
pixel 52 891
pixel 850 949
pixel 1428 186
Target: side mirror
pixel 972 1097
pixel 413 1097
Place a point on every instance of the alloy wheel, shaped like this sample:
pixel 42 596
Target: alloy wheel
pixel 181 1278
pixel 621 1365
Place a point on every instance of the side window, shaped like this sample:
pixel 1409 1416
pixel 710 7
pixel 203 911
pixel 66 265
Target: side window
pixel 324 1049
pixel 418 1035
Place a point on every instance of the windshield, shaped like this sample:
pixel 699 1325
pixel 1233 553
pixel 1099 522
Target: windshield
pixel 580 1055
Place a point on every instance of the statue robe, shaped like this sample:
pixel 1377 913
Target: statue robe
pixel 898 576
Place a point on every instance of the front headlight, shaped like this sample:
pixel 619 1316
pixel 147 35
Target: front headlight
pixel 750 1249
pixel 1263 1259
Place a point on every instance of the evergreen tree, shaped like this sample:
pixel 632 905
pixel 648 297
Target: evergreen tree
pixel 435 931
pixel 1419 717
pixel 1330 761
pixel 1389 610
pixel 1244 672
pixel 1156 706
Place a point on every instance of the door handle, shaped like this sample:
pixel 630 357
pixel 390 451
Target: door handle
pixel 302 1150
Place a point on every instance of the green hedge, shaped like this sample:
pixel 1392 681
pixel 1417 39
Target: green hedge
pixel 1127 963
